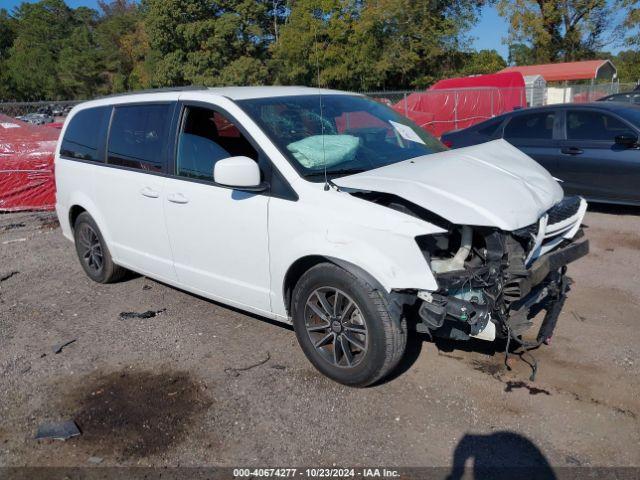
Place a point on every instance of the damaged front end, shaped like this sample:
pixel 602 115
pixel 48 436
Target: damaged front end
pixel 492 283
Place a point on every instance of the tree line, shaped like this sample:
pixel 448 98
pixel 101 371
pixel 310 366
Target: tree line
pixel 51 51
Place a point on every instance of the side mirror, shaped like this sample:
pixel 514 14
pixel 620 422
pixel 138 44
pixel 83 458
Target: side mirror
pixel 238 172
pixel 627 140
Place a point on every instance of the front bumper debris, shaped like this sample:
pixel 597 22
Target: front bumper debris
pixel 491 301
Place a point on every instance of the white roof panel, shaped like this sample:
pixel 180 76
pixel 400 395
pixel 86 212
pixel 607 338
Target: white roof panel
pixel 242 93
pixel 234 93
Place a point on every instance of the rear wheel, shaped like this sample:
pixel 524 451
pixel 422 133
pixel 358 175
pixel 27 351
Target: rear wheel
pixel 93 253
pixel 344 328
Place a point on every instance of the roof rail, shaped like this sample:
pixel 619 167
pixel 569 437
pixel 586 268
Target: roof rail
pixel 158 90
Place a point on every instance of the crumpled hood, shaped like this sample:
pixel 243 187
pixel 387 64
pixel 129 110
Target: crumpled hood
pixel 491 184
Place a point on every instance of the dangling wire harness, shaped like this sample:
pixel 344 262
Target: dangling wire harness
pixel 549 322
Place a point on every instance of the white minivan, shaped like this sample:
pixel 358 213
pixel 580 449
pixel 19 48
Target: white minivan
pixel 320 208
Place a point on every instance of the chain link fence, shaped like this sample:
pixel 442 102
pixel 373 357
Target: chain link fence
pixel 57 109
pixel 439 111
pixel 581 93
pixel 532 95
pixel 458 102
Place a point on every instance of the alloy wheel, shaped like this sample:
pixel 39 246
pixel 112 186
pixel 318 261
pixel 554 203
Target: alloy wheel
pixel 90 248
pixel 336 327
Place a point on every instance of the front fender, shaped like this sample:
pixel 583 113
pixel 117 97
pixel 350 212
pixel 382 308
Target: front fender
pixel 393 261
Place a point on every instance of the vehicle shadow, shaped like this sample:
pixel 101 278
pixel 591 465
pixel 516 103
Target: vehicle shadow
pixel 411 354
pixel 612 209
pixel 471 345
pixel 416 340
pixel 500 455
pixel 267 320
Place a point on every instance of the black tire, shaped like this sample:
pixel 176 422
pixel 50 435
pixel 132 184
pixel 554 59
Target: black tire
pixel 93 252
pixel 385 338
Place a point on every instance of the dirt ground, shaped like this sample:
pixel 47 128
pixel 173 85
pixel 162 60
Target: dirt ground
pixel 175 389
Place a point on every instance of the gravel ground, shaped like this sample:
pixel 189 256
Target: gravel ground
pixel 175 389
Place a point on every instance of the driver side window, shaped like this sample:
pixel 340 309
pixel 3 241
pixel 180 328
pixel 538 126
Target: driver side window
pixel 594 126
pixel 207 136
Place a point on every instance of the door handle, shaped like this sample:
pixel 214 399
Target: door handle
pixel 177 198
pixel 149 192
pixel 571 150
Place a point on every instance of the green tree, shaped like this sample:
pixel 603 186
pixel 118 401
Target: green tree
pixel 627 63
pixel 7 32
pixel 41 29
pixel 80 64
pixel 558 31
pixel 122 39
pixel 207 42
pixel 482 62
pixel 631 23
pixel 7 36
pixel 369 45
pixel 416 43
pixel 521 54
pixel 316 44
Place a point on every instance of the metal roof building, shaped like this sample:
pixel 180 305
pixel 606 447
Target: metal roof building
pixel 595 70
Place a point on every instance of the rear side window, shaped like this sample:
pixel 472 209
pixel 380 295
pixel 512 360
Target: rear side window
pixel 138 136
pixel 591 125
pixel 85 134
pixel 534 126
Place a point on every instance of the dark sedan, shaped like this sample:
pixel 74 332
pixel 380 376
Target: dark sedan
pixel 628 97
pixel 592 148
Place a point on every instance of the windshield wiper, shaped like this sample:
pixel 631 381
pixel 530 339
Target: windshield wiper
pixel 343 171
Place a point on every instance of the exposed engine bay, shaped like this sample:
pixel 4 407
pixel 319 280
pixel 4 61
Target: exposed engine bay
pixel 492 283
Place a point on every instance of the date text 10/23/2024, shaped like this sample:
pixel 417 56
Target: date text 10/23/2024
pixel 316 472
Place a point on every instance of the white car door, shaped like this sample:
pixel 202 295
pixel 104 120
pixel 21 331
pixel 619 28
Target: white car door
pixel 130 194
pixel 218 235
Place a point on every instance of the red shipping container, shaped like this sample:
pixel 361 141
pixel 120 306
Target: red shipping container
pixel 26 165
pixel 458 103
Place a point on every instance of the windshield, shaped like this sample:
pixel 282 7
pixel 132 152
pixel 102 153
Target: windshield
pixel 345 134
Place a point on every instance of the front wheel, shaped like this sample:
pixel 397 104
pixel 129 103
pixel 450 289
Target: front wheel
pixel 344 328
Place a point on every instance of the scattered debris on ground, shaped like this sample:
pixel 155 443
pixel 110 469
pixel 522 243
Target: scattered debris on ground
pixel 577 316
pixel 48 222
pixel 510 386
pixel 58 347
pixel 147 314
pixel 95 460
pixel 58 431
pixel 13 226
pixel 235 372
pixel 15 240
pixel 160 397
pixel 8 275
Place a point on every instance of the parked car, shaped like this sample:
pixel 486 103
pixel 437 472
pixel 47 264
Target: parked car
pixel 592 148
pixel 36 118
pixel 57 110
pixel 46 110
pixel 628 97
pixel 321 209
